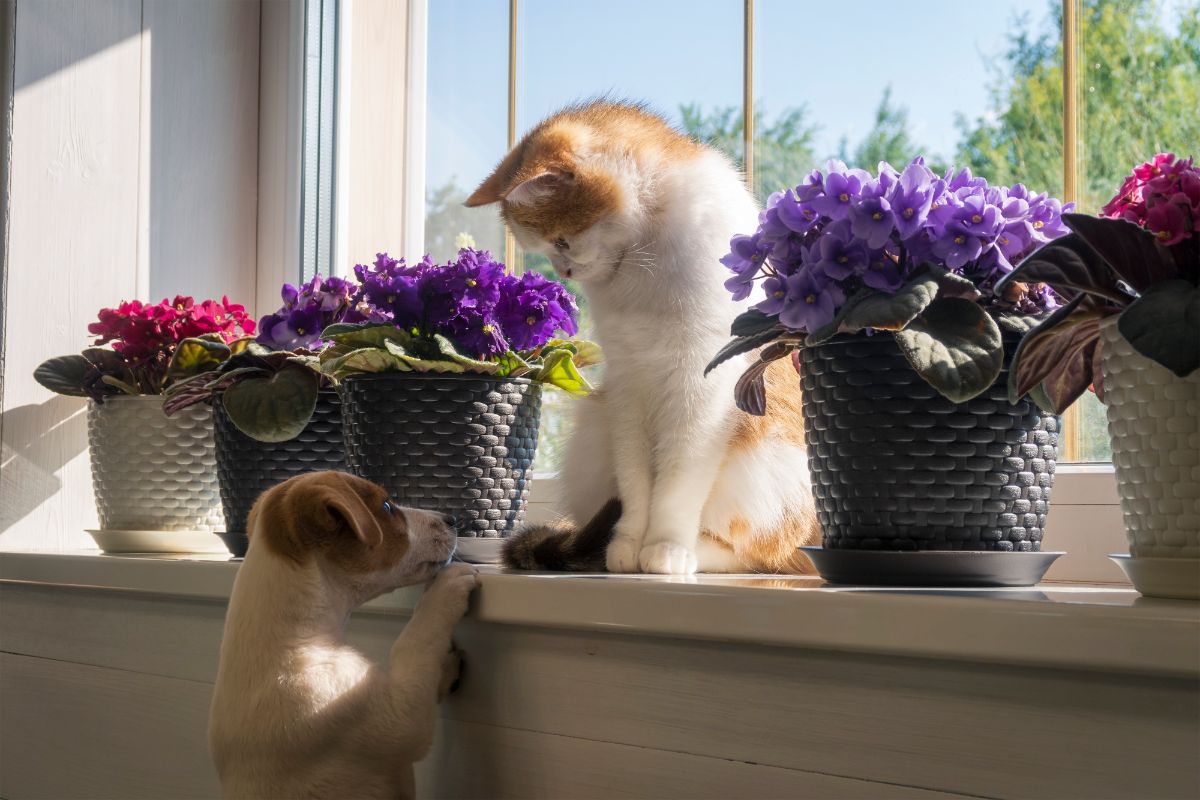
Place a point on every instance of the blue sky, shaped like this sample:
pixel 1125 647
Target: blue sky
pixel 834 58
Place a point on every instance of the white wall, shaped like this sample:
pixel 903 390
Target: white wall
pixel 133 174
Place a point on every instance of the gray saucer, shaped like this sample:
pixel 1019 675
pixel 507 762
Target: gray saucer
pixel 930 567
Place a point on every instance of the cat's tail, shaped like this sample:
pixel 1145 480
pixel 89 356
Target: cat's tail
pixel 564 548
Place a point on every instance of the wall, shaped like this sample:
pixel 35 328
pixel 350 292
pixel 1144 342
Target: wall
pixel 133 174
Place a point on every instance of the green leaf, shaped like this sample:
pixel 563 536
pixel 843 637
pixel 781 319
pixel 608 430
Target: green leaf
pixel 1164 325
pixel 511 365
pixel 241 345
pixel 955 346
pixel 744 344
pixel 1019 324
pixel 63 374
pixel 951 284
pixel 106 360
pixel 587 354
pixel 1058 355
pixel 417 364
pixel 274 409
pixel 363 360
pixel 888 312
pixel 197 355
pixel 1070 266
pixel 117 383
pixel 752 322
pixel 1041 399
pixel 367 335
pixel 559 370
pixel 1132 251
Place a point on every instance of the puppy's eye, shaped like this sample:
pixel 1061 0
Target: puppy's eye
pixel 561 244
pixel 388 508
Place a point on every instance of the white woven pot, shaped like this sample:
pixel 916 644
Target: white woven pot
pixel 1154 423
pixel 151 472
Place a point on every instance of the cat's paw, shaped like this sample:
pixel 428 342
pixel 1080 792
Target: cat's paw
pixel 667 558
pixel 622 555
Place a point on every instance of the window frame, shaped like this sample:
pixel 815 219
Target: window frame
pixel 1085 494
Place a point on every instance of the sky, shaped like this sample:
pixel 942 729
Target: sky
pixel 835 58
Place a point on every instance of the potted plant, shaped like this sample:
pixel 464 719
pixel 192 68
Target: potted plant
pixel 441 382
pixel 276 414
pixel 150 472
pixel 1131 330
pixel 880 287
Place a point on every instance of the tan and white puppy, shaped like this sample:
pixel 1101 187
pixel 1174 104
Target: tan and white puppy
pixel 297 712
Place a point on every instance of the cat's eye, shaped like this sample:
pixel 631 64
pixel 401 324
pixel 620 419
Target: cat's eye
pixel 561 244
pixel 388 508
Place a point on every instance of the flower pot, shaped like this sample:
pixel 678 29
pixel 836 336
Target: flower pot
pixel 459 444
pixel 151 472
pixel 247 467
pixel 1154 424
pixel 896 466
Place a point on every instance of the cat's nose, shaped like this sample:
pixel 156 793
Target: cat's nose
pixel 451 521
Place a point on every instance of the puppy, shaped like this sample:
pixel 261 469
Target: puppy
pixel 296 711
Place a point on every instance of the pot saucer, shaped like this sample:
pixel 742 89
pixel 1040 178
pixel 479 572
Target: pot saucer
pixel 156 541
pixel 1174 578
pixel 479 549
pixel 948 568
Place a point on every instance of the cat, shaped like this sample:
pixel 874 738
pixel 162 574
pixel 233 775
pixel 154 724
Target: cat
pixel 662 473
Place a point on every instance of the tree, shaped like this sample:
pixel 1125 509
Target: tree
pixel 1140 76
pixel 888 140
pixel 450 225
pixel 783 150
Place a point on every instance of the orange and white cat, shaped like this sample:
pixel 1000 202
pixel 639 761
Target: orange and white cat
pixel 640 215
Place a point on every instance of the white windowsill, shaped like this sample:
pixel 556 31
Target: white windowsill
pixel 1095 628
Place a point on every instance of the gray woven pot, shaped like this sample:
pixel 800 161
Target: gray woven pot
pixel 151 472
pixel 459 444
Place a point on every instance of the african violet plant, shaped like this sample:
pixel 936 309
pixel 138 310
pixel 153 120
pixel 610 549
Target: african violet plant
pixel 151 347
pixel 1139 262
pixel 465 316
pixel 269 389
pixel 908 253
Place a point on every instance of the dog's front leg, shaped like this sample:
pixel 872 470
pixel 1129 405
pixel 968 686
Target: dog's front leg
pixel 423 662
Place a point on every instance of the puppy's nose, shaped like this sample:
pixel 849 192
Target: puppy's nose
pixel 451 521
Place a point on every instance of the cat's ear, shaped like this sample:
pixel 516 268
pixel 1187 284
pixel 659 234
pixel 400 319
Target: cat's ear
pixel 496 185
pixel 540 185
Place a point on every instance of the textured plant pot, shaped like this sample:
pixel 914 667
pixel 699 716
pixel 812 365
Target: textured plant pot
pixel 896 466
pixel 247 467
pixel 150 471
pixel 1154 424
pixel 459 444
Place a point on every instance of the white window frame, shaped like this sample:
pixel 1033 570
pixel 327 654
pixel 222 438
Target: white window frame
pixel 1085 517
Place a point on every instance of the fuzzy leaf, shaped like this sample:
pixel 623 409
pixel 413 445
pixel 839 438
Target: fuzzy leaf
pixel 751 322
pixel 418 364
pixel 106 360
pixel 366 335
pixel 951 284
pixel 63 374
pixel 744 344
pixel 750 392
pixel 955 346
pixel 1019 324
pixel 1041 399
pixel 273 409
pixel 886 312
pixel 558 369
pixel 197 355
pixel 1164 325
pixel 447 348
pixel 364 359
pixel 1070 265
pixel 1059 354
pixel 1131 251
pixel 241 345
pixel 117 383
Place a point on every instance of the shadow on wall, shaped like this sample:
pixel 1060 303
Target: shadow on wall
pixel 39 440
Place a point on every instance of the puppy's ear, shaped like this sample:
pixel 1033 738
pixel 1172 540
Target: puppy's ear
pixel 348 505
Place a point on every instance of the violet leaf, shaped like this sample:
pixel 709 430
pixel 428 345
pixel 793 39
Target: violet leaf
pixel 955 346
pixel 1164 325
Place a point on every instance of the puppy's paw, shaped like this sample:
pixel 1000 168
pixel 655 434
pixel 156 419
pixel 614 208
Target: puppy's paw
pixel 451 673
pixel 622 554
pixel 451 590
pixel 667 558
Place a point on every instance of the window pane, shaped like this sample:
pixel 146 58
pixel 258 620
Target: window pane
pixel 682 58
pixel 1139 69
pixel 466 128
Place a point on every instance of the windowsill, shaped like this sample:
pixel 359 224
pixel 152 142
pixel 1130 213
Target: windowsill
pixel 1088 627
